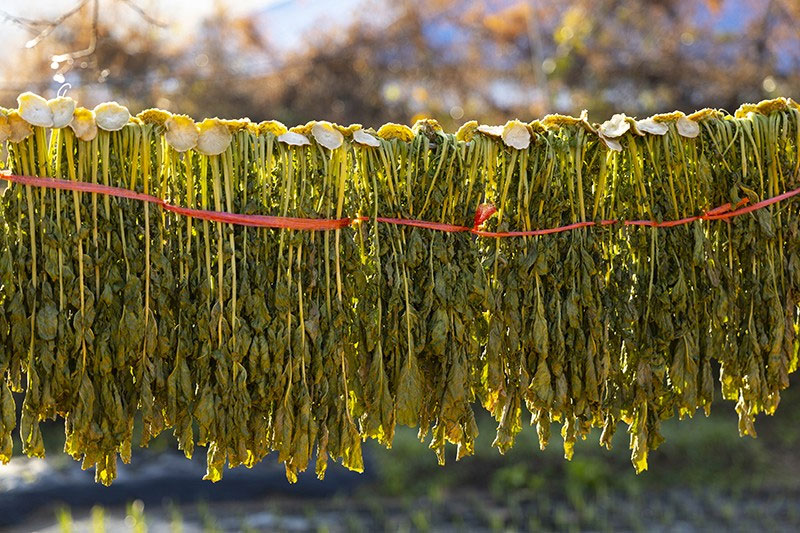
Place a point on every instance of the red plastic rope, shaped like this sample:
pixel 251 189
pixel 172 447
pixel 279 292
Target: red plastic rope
pixel 260 221
pixel 482 213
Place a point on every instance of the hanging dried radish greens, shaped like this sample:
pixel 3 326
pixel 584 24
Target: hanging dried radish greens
pixel 250 340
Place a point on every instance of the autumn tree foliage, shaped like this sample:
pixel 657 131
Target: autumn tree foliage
pixel 449 59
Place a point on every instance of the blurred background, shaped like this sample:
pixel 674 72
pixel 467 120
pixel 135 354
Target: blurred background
pixel 373 61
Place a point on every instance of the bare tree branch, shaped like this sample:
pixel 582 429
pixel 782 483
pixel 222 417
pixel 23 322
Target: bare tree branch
pixel 43 28
pixel 89 50
pixel 31 25
pixel 55 24
pixel 144 14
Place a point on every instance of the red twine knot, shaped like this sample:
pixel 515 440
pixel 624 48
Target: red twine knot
pixel 483 213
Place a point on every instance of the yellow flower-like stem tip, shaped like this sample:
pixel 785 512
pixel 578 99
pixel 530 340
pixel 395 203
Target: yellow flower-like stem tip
pixel 273 127
pixel 159 117
pixel 214 137
pixel 390 131
pixel 614 127
pixel 84 124
pixel 20 128
pixel 5 128
pixel 764 107
pixel 668 117
pixel 62 109
pixel 706 113
pixel 304 129
pixel 34 110
pixel 648 125
pixel 555 120
pixel 182 133
pixel 366 139
pixel 111 116
pixel 326 135
pixel 347 131
pixel 687 128
pixel 427 126
pixel 467 131
pixel 491 131
pixel 611 144
pixel 516 135
pixel 235 126
pixel 292 138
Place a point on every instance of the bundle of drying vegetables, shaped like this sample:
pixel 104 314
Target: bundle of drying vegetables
pixel 421 309
pixel 260 289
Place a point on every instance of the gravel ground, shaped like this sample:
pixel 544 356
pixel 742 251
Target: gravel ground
pixel 703 478
pixel 165 494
